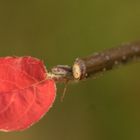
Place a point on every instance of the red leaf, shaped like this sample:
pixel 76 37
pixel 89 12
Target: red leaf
pixel 25 92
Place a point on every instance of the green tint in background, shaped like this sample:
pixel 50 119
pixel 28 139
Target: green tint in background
pixel 58 31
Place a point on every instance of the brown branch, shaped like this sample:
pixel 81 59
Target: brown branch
pixel 89 66
pixel 106 60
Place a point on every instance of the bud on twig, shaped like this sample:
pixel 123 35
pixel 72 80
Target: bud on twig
pixel 98 62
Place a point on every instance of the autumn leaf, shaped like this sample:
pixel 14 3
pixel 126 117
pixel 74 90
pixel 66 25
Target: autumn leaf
pixel 25 92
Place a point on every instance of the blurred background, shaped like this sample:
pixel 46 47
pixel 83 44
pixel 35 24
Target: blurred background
pixel 107 108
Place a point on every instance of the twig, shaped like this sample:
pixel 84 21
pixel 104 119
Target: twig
pixel 106 60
